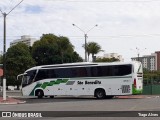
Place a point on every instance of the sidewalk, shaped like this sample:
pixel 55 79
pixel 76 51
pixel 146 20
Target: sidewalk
pixel 10 101
pixel 137 96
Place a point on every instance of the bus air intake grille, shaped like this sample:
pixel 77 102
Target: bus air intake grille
pixel 125 88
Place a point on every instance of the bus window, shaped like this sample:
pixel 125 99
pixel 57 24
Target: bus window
pixel 63 73
pixel 81 72
pixel 42 74
pixel 121 70
pixel 28 77
pixel 104 71
pixel 91 71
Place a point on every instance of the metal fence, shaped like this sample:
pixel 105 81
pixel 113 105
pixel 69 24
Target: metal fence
pixel 151 87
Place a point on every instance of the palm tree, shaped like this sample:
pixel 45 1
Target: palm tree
pixel 92 48
pixel 87 49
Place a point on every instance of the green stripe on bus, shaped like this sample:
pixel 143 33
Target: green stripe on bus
pixel 51 83
pixel 135 91
pixel 32 92
pixel 46 84
pixel 64 80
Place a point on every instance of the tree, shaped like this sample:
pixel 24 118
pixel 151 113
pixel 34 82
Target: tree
pixel 45 51
pixel 18 59
pixel 51 49
pixel 1 58
pixel 64 47
pixel 87 49
pixel 93 48
pixel 107 59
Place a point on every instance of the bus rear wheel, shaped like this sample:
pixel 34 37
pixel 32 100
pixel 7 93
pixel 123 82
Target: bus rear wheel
pixel 100 94
pixel 39 94
pixel 51 96
pixel 109 97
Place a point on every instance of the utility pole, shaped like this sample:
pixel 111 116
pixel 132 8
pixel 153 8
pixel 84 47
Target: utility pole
pixel 85 36
pixel 138 53
pixel 4 49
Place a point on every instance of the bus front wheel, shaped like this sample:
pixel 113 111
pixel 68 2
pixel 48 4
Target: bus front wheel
pixel 39 93
pixel 100 93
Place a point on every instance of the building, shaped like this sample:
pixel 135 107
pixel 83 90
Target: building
pixel 112 55
pixel 24 39
pixel 150 62
pixel 158 59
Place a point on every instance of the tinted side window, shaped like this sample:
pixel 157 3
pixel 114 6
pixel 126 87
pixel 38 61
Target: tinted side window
pixel 51 73
pixel 94 71
pixel 121 70
pixel 63 73
pixel 105 71
pixel 81 72
pixel 42 74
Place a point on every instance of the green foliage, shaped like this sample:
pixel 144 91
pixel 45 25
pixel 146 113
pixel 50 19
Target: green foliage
pixel 51 49
pixel 92 48
pixel 18 59
pixel 1 58
pixel 151 77
pixel 65 47
pixel 106 59
pixel 45 51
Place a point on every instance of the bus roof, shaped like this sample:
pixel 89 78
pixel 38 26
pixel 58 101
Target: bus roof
pixel 80 64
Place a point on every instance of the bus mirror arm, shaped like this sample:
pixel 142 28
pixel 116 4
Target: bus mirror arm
pixel 20 75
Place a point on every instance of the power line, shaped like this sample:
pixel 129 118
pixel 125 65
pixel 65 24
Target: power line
pixel 109 36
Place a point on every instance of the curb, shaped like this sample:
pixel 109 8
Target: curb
pixel 137 96
pixel 12 103
pixel 131 97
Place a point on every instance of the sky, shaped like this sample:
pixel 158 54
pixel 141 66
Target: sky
pixel 123 25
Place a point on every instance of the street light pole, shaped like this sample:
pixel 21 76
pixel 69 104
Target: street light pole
pixel 138 53
pixel 85 36
pixel 4 49
pixel 4 59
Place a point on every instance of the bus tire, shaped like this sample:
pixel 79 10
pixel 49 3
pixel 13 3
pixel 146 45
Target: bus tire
pixel 39 93
pixel 109 96
pixel 51 96
pixel 100 93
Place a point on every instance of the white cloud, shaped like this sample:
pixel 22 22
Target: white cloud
pixel 114 19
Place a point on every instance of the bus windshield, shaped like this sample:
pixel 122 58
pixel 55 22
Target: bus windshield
pixel 28 77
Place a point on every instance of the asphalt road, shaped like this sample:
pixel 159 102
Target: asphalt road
pixel 149 104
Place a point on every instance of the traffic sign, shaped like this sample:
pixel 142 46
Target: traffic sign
pixel 1 72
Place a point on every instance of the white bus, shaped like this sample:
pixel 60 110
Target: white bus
pixel 102 80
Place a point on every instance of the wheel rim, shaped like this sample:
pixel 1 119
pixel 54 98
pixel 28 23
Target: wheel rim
pixel 39 93
pixel 100 94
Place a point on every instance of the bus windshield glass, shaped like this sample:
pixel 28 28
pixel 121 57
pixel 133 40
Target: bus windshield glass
pixel 28 77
